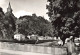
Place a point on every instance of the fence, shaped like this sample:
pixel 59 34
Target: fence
pixel 33 48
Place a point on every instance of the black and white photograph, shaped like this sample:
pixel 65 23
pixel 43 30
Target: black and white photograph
pixel 39 27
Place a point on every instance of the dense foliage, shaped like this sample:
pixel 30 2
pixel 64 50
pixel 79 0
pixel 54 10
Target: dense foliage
pixel 27 25
pixel 7 25
pixel 34 25
pixel 65 17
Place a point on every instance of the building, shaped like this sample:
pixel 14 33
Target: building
pixel 19 37
pixel 9 9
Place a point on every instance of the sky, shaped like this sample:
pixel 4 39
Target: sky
pixel 26 7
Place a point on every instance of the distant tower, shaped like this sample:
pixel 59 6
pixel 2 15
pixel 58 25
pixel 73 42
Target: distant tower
pixel 9 9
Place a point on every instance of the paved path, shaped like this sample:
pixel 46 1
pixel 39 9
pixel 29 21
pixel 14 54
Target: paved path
pixel 11 52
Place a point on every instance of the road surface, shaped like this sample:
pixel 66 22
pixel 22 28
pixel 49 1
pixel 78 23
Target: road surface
pixel 11 52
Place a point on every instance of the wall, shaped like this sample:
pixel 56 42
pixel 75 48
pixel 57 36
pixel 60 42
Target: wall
pixel 33 48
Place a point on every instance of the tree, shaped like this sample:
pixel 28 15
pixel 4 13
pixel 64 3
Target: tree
pixel 2 32
pixel 7 25
pixel 34 25
pixel 65 17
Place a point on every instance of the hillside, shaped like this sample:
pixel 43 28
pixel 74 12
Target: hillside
pixel 34 25
pixel 27 25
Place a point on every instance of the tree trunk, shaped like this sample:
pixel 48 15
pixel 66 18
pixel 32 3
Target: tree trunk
pixel 3 32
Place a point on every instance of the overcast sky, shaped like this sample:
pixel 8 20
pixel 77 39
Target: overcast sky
pixel 26 7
